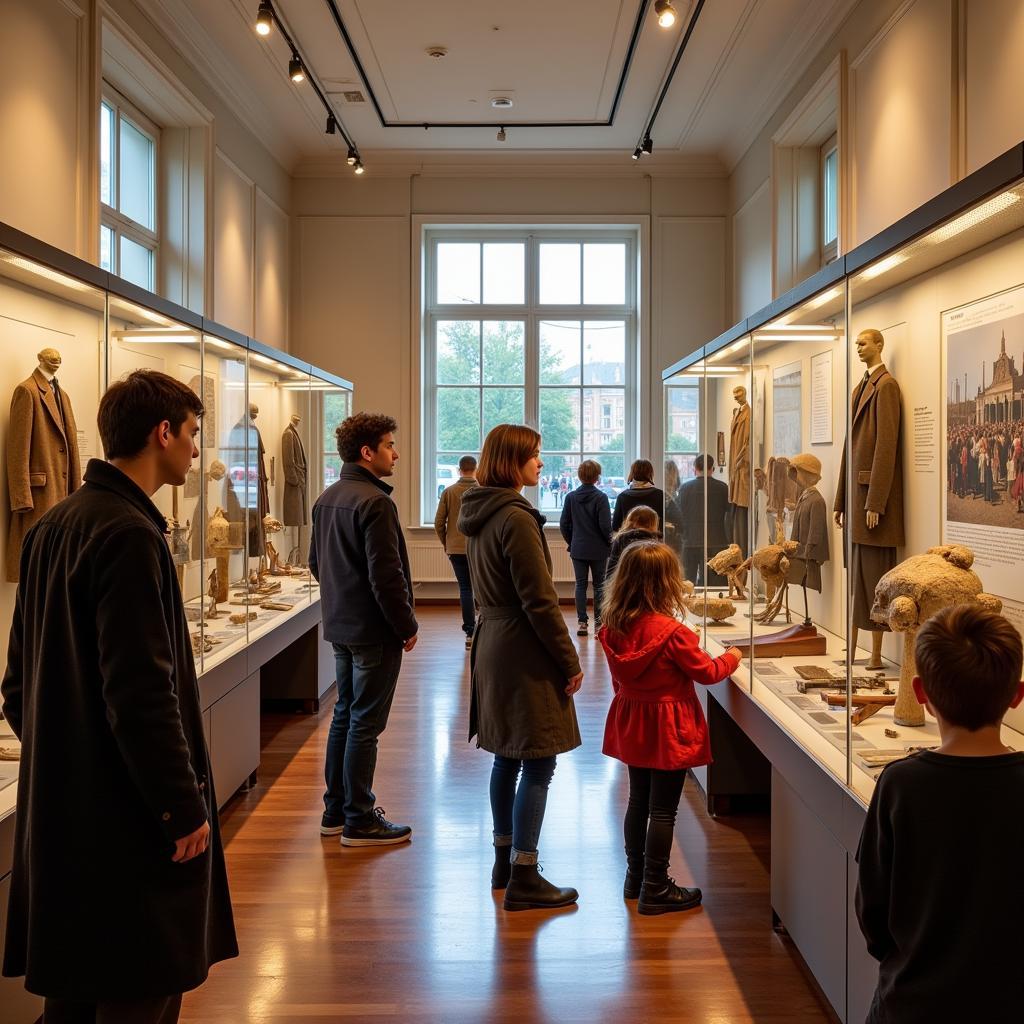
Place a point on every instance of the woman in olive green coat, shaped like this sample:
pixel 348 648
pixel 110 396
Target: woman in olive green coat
pixel 525 668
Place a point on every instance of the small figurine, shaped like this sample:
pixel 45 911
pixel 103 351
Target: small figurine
pixel 729 563
pixel 212 589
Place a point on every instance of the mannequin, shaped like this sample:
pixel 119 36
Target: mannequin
pixel 42 451
pixel 739 469
pixel 293 458
pixel 810 526
pixel 876 500
pixel 247 447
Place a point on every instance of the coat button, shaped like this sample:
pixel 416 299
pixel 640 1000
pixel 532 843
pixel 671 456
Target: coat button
pixel 166 816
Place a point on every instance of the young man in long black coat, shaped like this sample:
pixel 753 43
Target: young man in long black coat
pixel 119 898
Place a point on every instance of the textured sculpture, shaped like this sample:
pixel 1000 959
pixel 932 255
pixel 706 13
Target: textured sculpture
pixel 913 592
pixel 728 563
pixel 718 609
pixel 772 562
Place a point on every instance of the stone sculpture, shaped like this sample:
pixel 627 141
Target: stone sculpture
pixel 728 563
pixel 718 609
pixel 912 592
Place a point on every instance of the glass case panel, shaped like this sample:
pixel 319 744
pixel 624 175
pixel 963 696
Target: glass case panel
pixel 797 581
pixel 941 321
pixel 140 339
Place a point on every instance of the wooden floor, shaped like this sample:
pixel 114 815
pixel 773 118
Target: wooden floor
pixel 413 933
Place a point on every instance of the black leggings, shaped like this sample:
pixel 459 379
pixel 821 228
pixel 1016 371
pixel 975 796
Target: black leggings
pixel 650 819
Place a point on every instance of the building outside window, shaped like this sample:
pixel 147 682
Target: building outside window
pixel 530 326
pixel 682 414
pixel 829 189
pixel 129 235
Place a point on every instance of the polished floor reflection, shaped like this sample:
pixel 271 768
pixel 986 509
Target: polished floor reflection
pixel 413 932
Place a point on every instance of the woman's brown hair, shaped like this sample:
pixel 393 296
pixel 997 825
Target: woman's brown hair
pixel 507 448
pixel 640 517
pixel 642 472
pixel 647 579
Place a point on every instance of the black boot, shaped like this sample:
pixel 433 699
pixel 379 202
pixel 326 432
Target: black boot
pixel 663 896
pixel 502 870
pixel 634 875
pixel 529 890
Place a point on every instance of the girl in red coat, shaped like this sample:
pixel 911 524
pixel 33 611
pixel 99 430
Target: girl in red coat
pixel 655 723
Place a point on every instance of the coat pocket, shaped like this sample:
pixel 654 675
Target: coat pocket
pixel 37 479
pixel 864 476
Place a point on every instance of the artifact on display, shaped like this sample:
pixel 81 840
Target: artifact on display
pixel 739 469
pixel 728 563
pixel 772 562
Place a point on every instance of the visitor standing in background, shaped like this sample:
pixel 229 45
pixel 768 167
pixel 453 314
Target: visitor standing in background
pixel 586 525
pixel 446 526
pixel 641 491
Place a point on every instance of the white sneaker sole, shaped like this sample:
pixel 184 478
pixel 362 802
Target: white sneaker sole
pixel 331 830
pixel 346 841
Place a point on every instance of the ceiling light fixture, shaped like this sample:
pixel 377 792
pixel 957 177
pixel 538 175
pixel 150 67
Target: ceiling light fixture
pixel 352 157
pixel 264 18
pixel 501 134
pixel 647 146
pixel 295 71
pixel 358 166
pixel 666 13
pixel 637 153
pixel 332 125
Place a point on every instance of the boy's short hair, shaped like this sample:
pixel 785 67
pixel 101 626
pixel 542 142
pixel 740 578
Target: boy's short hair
pixel 133 406
pixel 467 464
pixel 589 471
pixel 704 463
pixel 969 660
pixel 364 429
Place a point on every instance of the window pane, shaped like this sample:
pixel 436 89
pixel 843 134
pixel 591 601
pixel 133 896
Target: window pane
pixel 458 272
pixel 604 419
pixel 332 469
pixel 559 352
pixel 557 479
pixel 458 419
pixel 504 359
pixel 683 404
pixel 560 273
pixel 136 263
pixel 136 181
pixel 604 352
pixel 830 219
pixel 503 405
pixel 613 471
pixel 107 249
pixel 336 405
pixel 446 472
pixel 560 419
pixel 504 272
pixel 604 273
pixel 106 154
pixel 458 352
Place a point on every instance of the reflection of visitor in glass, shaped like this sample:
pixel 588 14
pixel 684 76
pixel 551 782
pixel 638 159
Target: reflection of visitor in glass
pixel 703 499
pixel 641 491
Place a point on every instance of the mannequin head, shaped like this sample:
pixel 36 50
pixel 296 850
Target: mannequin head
pixel 49 360
pixel 869 347
pixel 805 470
pixel 295 419
pixel 254 410
pixel 739 394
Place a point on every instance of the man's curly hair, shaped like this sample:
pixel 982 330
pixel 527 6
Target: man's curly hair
pixel 364 428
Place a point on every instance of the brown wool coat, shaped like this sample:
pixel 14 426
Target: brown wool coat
pixel 522 654
pixel 295 511
pixel 42 459
pixel 876 450
pixel 739 457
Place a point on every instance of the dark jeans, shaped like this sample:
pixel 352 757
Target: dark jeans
pixel 650 818
pixel 158 1010
pixel 518 811
pixel 594 568
pixel 366 675
pixel 461 566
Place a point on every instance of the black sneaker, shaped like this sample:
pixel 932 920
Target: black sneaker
pixel 469 641
pixel 380 833
pixel 581 630
pixel 327 828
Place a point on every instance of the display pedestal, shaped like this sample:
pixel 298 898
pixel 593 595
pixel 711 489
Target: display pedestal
pixel 799 639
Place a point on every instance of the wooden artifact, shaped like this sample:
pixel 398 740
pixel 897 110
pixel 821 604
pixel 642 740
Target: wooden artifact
pixel 727 563
pixel 772 562
pixel 867 704
pixel 793 640
pixel 913 592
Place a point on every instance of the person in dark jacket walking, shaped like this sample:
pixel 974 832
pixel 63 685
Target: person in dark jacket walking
pixel 119 897
pixel 641 491
pixel 446 526
pixel 525 669
pixel 358 554
pixel 694 510
pixel 586 525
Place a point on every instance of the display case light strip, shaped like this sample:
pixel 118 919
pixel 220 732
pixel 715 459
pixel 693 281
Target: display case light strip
pixel 119 306
pixel 884 266
pixel 156 336
pixel 823 336
pixel 50 275
pixel 220 343
pixel 824 298
pixel 789 328
pixel 972 218
pixel 699 371
pixel 730 350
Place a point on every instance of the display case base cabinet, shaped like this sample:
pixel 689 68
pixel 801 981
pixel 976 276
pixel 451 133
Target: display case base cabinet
pixel 235 738
pixel 16 1005
pixel 861 967
pixel 302 672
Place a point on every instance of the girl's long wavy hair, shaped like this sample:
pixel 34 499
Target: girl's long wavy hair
pixel 647 579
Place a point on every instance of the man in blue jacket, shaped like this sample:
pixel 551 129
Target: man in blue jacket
pixel 358 554
pixel 586 525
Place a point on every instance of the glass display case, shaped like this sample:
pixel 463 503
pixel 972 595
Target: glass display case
pixel 832 450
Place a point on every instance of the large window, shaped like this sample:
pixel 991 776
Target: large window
pixel 533 327
pixel 829 188
pixel 129 239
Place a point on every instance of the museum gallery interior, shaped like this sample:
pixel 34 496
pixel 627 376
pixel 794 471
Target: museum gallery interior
pixel 787 235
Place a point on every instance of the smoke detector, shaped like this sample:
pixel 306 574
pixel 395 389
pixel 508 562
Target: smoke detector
pixel 437 52
pixel 502 102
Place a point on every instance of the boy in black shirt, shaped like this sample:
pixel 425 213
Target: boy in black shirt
pixel 939 896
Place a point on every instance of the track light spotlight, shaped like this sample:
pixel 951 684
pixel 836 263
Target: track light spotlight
pixel 353 156
pixel 264 18
pixel 358 167
pixel 637 153
pixel 666 13
pixel 648 145
pixel 295 71
pixel 332 124
pixel 501 134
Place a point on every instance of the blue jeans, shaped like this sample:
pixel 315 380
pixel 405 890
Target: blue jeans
pixel 583 567
pixel 461 566
pixel 366 675
pixel 518 811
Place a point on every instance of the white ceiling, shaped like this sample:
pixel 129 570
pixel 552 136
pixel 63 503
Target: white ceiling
pixel 557 59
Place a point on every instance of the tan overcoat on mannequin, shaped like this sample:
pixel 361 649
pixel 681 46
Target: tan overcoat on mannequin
pixel 875 447
pixel 42 460
pixel 739 457
pixel 293 460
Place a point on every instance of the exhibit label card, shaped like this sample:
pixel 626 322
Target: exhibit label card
pixel 821 398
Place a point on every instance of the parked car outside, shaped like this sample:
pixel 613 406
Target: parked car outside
pixel 446 476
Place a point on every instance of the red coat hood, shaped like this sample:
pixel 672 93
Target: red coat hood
pixel 630 654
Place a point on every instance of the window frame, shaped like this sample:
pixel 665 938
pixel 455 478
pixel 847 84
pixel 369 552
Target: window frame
pixel 829 247
pixel 111 216
pixel 531 313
